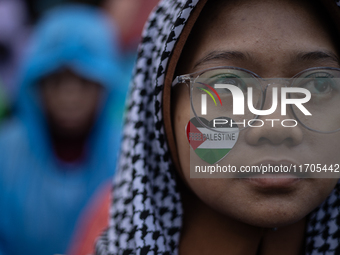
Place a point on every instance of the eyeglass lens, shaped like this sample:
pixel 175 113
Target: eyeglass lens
pixel 210 100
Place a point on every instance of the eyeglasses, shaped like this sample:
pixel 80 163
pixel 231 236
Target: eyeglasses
pixel 212 97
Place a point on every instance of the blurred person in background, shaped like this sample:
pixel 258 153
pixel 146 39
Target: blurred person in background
pixel 60 151
pixel 128 17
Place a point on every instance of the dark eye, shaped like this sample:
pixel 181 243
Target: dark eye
pixel 319 83
pixel 319 86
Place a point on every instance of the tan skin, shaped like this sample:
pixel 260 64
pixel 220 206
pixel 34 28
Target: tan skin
pixel 70 103
pixel 235 216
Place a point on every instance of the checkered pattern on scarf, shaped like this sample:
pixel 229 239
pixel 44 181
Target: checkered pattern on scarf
pixel 146 214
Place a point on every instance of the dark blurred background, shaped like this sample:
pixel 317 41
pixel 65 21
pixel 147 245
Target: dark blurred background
pixel 65 70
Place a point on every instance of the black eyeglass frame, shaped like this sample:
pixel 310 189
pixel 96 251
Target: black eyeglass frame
pixel 189 80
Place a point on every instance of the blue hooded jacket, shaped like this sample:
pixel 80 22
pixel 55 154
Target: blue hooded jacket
pixel 41 198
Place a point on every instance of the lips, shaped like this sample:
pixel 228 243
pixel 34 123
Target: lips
pixel 272 179
pixel 267 182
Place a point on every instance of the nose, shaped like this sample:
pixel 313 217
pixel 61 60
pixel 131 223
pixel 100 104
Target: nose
pixel 276 129
pixel 70 90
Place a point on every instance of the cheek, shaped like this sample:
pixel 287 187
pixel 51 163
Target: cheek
pixel 323 149
pixel 50 101
pixel 91 102
pixel 91 99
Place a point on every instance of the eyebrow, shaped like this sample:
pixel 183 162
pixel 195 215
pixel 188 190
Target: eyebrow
pixel 223 55
pixel 318 55
pixel 238 55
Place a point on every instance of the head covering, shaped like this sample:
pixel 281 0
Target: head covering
pixel 146 214
pixel 41 197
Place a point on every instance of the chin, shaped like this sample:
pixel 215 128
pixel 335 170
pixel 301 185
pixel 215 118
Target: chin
pixel 273 218
pixel 266 210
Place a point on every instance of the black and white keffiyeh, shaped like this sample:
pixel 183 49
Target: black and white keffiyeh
pixel 146 214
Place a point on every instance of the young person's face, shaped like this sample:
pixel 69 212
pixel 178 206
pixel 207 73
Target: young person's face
pixel 70 102
pixel 272 35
